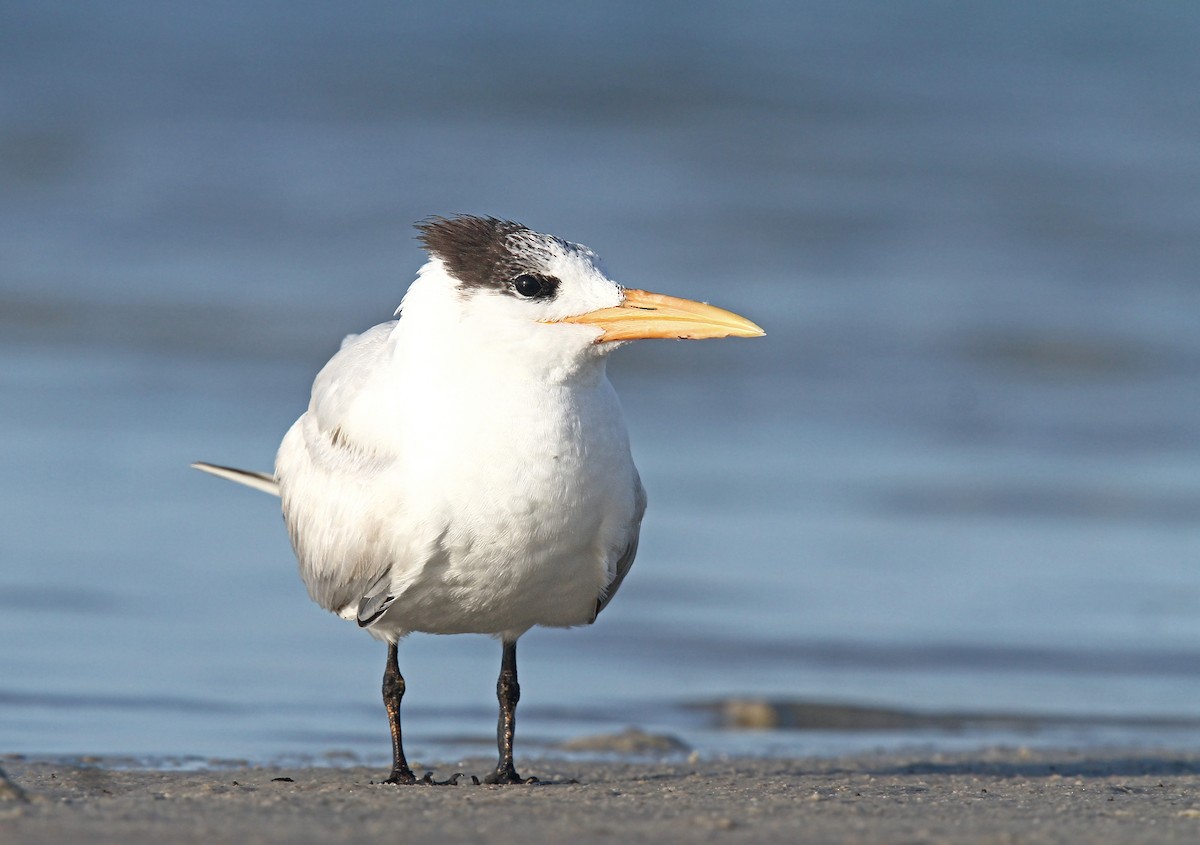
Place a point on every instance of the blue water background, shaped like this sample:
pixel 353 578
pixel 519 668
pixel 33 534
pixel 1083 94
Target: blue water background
pixel 961 472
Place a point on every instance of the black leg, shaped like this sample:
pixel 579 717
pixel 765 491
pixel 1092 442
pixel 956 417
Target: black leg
pixel 508 691
pixel 393 691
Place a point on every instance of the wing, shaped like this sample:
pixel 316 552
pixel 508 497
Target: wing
pixel 625 562
pixel 338 385
pixel 332 467
pixel 333 391
pixel 376 599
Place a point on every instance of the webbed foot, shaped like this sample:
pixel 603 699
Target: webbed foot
pixel 402 776
pixel 450 781
pixel 507 776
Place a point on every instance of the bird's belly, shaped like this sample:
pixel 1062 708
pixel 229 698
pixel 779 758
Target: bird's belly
pixel 479 594
pixel 509 563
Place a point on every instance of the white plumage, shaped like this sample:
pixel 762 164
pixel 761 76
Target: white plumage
pixel 476 478
pixel 466 468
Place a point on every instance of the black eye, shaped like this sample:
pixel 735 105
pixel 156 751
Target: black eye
pixel 534 287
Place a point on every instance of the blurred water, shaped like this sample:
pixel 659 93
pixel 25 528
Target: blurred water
pixel 960 474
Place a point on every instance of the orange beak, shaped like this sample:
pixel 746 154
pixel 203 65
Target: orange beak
pixel 643 314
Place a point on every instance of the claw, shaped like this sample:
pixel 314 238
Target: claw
pixel 453 781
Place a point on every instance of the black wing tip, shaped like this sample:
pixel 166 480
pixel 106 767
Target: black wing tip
pixel 366 622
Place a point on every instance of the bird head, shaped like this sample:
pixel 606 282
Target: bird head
pixel 541 291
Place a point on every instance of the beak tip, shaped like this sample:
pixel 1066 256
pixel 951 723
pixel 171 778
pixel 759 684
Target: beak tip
pixel 745 328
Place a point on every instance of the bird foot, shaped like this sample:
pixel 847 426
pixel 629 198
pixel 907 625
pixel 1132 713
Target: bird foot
pixel 502 777
pixel 450 781
pixel 405 777
pixel 402 776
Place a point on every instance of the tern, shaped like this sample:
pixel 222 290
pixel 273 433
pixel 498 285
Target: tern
pixel 466 468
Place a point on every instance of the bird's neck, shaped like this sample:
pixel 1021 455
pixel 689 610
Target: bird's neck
pixel 438 339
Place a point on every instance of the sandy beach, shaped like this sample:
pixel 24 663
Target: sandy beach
pixel 993 796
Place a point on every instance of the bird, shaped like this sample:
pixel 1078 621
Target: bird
pixel 465 467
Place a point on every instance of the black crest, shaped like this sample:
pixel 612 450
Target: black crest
pixel 483 252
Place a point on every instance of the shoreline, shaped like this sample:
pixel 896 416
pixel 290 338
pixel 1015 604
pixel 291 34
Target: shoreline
pixel 993 795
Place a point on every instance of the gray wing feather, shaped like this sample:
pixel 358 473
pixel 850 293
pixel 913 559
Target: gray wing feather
pixel 625 563
pixel 376 599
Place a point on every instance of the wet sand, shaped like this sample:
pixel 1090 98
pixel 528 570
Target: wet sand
pixel 994 796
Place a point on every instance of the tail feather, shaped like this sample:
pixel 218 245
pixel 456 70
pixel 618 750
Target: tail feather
pixel 258 480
